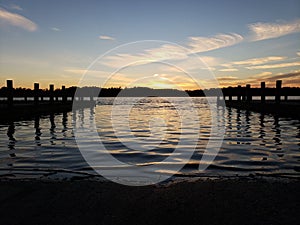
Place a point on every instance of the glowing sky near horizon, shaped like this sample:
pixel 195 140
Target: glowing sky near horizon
pixel 239 42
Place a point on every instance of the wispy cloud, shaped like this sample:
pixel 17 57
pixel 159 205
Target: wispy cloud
pixel 289 79
pixel 250 63
pixel 204 44
pixel 229 70
pixel 227 78
pixel 105 37
pixel 258 61
pixel 175 52
pixel 100 77
pixel 165 52
pixel 262 31
pixel 298 53
pixel 16 7
pixel 274 66
pixel 292 78
pixel 55 29
pixel 80 71
pixel 192 64
pixel 262 75
pixel 292 75
pixel 17 20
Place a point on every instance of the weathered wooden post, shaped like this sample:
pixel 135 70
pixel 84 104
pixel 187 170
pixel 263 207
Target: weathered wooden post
pixel 248 93
pixel 10 96
pixel 64 96
pixel 263 92
pixel 230 94
pixel 278 90
pixel 36 93
pixel 243 94
pixel 51 89
pixel 239 92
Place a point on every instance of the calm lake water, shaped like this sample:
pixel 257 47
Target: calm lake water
pixel 254 144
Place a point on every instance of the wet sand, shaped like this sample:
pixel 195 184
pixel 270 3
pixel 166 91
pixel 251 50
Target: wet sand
pixel 222 201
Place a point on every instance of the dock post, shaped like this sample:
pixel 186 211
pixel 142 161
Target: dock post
pixel 278 90
pixel 248 93
pixel 64 96
pixel 244 94
pixel 239 92
pixel 230 94
pixel 263 92
pixel 36 93
pixel 51 89
pixel 10 89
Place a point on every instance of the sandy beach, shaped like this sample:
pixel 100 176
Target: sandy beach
pixel 221 201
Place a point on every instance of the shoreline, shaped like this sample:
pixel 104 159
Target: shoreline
pixel 202 201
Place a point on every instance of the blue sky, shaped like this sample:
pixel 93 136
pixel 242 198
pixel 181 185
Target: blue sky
pixel 241 41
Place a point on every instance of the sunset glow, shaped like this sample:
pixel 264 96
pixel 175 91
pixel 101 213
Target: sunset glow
pixel 237 42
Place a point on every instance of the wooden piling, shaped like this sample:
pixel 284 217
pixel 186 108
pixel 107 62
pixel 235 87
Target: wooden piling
pixel 230 94
pixel 262 92
pixel 10 89
pixel 248 93
pixel 36 93
pixel 239 92
pixel 51 90
pixel 278 91
pixel 64 96
pixel 243 94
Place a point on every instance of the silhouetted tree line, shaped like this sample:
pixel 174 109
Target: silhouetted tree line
pixel 143 91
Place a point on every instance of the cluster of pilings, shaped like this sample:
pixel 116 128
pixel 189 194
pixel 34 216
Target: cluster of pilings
pixel 37 99
pixel 245 94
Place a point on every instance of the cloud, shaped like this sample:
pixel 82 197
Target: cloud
pixel 166 52
pixel 289 79
pixel 274 66
pixel 204 44
pixel 175 52
pixel 121 60
pixel 16 20
pixel 80 71
pixel 291 75
pixel 250 63
pixel 192 64
pixel 162 53
pixel 210 61
pixel 258 61
pixel 229 70
pixel 16 7
pixel 227 78
pixel 55 29
pixel 261 75
pixel 105 37
pixel 298 53
pixel 263 31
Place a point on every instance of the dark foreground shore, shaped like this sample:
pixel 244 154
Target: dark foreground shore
pixel 233 201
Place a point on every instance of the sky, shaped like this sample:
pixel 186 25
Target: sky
pixel 102 43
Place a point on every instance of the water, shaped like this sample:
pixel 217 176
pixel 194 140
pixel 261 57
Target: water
pixel 254 144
